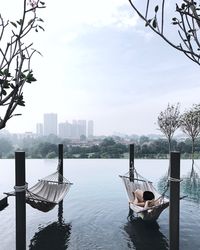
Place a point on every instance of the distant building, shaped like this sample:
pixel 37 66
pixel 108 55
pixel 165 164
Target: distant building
pixel 50 124
pixel 81 128
pixel 90 129
pixel 62 130
pixel 39 129
pixel 74 130
pixel 68 130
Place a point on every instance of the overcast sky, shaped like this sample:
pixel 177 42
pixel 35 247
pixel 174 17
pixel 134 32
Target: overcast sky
pixel 100 63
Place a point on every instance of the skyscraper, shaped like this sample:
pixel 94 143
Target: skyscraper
pixel 50 124
pixel 62 130
pixel 39 129
pixel 90 129
pixel 81 128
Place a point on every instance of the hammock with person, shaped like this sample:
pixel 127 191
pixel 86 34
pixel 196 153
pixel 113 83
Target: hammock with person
pixel 149 213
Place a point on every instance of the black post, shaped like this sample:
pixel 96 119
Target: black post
pixel 131 162
pixel 60 158
pixel 20 200
pixel 60 205
pixel 174 208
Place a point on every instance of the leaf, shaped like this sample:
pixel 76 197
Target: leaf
pixel 30 78
pixel 182 6
pixel 188 37
pixel 6 73
pixel 19 22
pixel 20 101
pixel 41 27
pixel 40 20
pixel 43 3
pixel 26 70
pixel 156 9
pixel 154 23
pixel 30 21
pixel 14 24
pixel 191 30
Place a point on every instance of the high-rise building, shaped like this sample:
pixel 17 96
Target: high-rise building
pixel 90 129
pixel 74 130
pixel 81 128
pixel 50 124
pixel 68 129
pixel 62 130
pixel 39 129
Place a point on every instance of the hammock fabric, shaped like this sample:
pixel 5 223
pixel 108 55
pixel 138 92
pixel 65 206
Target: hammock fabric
pixel 48 192
pixel 147 214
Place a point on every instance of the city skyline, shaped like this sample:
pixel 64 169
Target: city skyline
pixel 112 69
pixel 74 130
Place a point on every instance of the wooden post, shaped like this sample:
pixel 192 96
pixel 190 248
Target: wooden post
pixel 20 200
pixel 131 162
pixel 60 205
pixel 174 208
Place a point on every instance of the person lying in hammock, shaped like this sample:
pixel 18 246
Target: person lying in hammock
pixel 144 199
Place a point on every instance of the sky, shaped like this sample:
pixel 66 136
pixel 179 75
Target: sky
pixel 101 63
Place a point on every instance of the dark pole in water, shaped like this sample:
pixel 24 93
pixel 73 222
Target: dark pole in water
pixel 131 162
pixel 174 208
pixel 60 157
pixel 20 200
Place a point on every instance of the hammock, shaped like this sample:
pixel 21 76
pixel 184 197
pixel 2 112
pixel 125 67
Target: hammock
pixel 150 213
pixel 47 192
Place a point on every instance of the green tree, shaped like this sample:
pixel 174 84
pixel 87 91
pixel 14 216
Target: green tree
pixel 169 121
pixel 45 148
pixel 15 59
pixel 190 125
pixel 5 147
pixel 108 142
pixel 51 155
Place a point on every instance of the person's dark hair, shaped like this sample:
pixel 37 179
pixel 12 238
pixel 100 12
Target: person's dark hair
pixel 148 195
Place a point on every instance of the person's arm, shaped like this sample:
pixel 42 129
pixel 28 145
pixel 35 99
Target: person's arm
pixel 136 202
pixel 149 203
pixel 140 204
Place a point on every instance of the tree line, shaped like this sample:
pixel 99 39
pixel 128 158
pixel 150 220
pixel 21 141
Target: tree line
pixel 109 147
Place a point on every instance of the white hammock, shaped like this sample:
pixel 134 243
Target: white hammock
pixel 48 192
pixel 147 214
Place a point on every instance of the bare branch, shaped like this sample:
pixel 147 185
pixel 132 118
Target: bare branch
pixel 189 23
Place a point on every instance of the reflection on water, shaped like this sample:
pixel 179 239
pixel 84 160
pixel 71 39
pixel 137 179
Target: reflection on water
pixel 190 185
pixel 53 236
pixel 162 185
pixel 96 208
pixel 145 236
